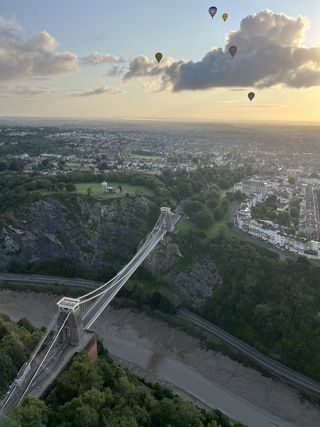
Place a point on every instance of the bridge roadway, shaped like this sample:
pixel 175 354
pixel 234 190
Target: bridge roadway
pixel 54 365
pixel 293 377
pixel 59 359
pixel 49 280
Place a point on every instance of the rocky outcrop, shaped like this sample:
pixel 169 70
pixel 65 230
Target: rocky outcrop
pixel 164 257
pixel 91 235
pixel 191 283
pixel 101 237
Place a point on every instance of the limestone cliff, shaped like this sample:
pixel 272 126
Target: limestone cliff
pixel 191 282
pixel 73 234
pixel 90 234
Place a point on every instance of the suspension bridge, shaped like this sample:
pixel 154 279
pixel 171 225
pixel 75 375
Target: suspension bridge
pixel 69 331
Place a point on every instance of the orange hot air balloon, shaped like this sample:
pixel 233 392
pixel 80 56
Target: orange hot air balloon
pixel 158 56
pixel 233 50
pixel 225 17
pixel 251 95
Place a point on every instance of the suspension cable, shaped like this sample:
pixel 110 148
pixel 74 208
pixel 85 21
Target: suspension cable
pixel 146 243
pixel 122 281
pixel 128 267
pixel 45 357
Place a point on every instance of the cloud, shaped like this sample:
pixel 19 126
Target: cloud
pixel 99 58
pixel 23 91
pixel 26 58
pixel 100 91
pixel 116 71
pixel 270 52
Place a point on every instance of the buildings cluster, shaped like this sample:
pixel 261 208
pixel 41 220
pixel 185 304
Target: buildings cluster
pixel 309 221
pixel 105 188
pixel 303 241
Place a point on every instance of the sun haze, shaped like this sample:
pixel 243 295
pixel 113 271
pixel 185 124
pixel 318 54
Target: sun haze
pixel 97 59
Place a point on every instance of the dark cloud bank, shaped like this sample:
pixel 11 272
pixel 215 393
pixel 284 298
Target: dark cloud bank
pixel 270 52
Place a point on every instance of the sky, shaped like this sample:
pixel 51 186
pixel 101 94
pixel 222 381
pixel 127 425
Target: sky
pixel 95 59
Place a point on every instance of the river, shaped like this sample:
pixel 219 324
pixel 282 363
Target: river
pixel 158 352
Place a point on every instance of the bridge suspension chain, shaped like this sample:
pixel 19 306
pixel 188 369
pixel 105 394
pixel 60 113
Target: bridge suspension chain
pixel 113 282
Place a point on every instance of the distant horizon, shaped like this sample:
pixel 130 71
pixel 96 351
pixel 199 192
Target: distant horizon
pixel 159 119
pixel 85 60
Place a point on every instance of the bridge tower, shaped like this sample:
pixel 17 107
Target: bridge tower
pixel 168 222
pixel 73 330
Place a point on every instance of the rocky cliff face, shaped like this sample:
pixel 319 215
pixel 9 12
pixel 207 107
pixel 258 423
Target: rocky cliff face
pixel 98 237
pixel 190 282
pixel 91 235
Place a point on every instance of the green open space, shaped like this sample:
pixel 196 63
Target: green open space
pixel 132 190
pixel 218 227
pixel 147 157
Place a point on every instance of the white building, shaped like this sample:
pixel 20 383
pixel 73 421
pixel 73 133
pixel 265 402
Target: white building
pixel 104 187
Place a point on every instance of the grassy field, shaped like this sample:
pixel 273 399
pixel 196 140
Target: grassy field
pixel 145 157
pixel 221 226
pixel 213 231
pixel 126 188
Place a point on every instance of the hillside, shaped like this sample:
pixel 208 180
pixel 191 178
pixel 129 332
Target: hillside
pixel 71 234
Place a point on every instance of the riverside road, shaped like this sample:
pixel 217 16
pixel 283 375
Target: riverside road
pixel 294 378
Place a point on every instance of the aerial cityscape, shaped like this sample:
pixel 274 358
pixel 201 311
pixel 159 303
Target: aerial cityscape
pixel 159 214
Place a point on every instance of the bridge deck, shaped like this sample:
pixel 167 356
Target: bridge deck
pixel 59 362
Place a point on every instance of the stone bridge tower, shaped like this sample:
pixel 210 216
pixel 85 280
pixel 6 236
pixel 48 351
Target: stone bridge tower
pixel 73 329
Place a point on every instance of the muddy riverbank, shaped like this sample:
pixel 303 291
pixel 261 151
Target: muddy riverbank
pixel 154 350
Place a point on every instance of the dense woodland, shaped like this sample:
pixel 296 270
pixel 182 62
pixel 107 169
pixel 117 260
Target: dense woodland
pixel 271 304
pixel 16 344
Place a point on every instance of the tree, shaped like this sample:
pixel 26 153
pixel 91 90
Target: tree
pixel 14 349
pixel 26 324
pixel 138 295
pixel 16 165
pixel 203 219
pixel 76 413
pixel 4 165
pixel 8 422
pixel 155 300
pixel 31 413
pixel 218 213
pixel 292 179
pixel 102 166
pixel 70 187
pixel 283 218
pixel 71 383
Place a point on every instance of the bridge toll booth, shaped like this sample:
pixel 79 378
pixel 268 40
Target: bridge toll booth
pixel 73 329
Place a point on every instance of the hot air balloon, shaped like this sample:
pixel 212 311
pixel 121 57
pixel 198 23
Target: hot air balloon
pixel 212 11
pixel 233 50
pixel 225 17
pixel 158 56
pixel 251 95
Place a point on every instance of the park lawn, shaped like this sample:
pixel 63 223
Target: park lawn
pixel 146 157
pixel 82 188
pixel 221 226
pixel 73 164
